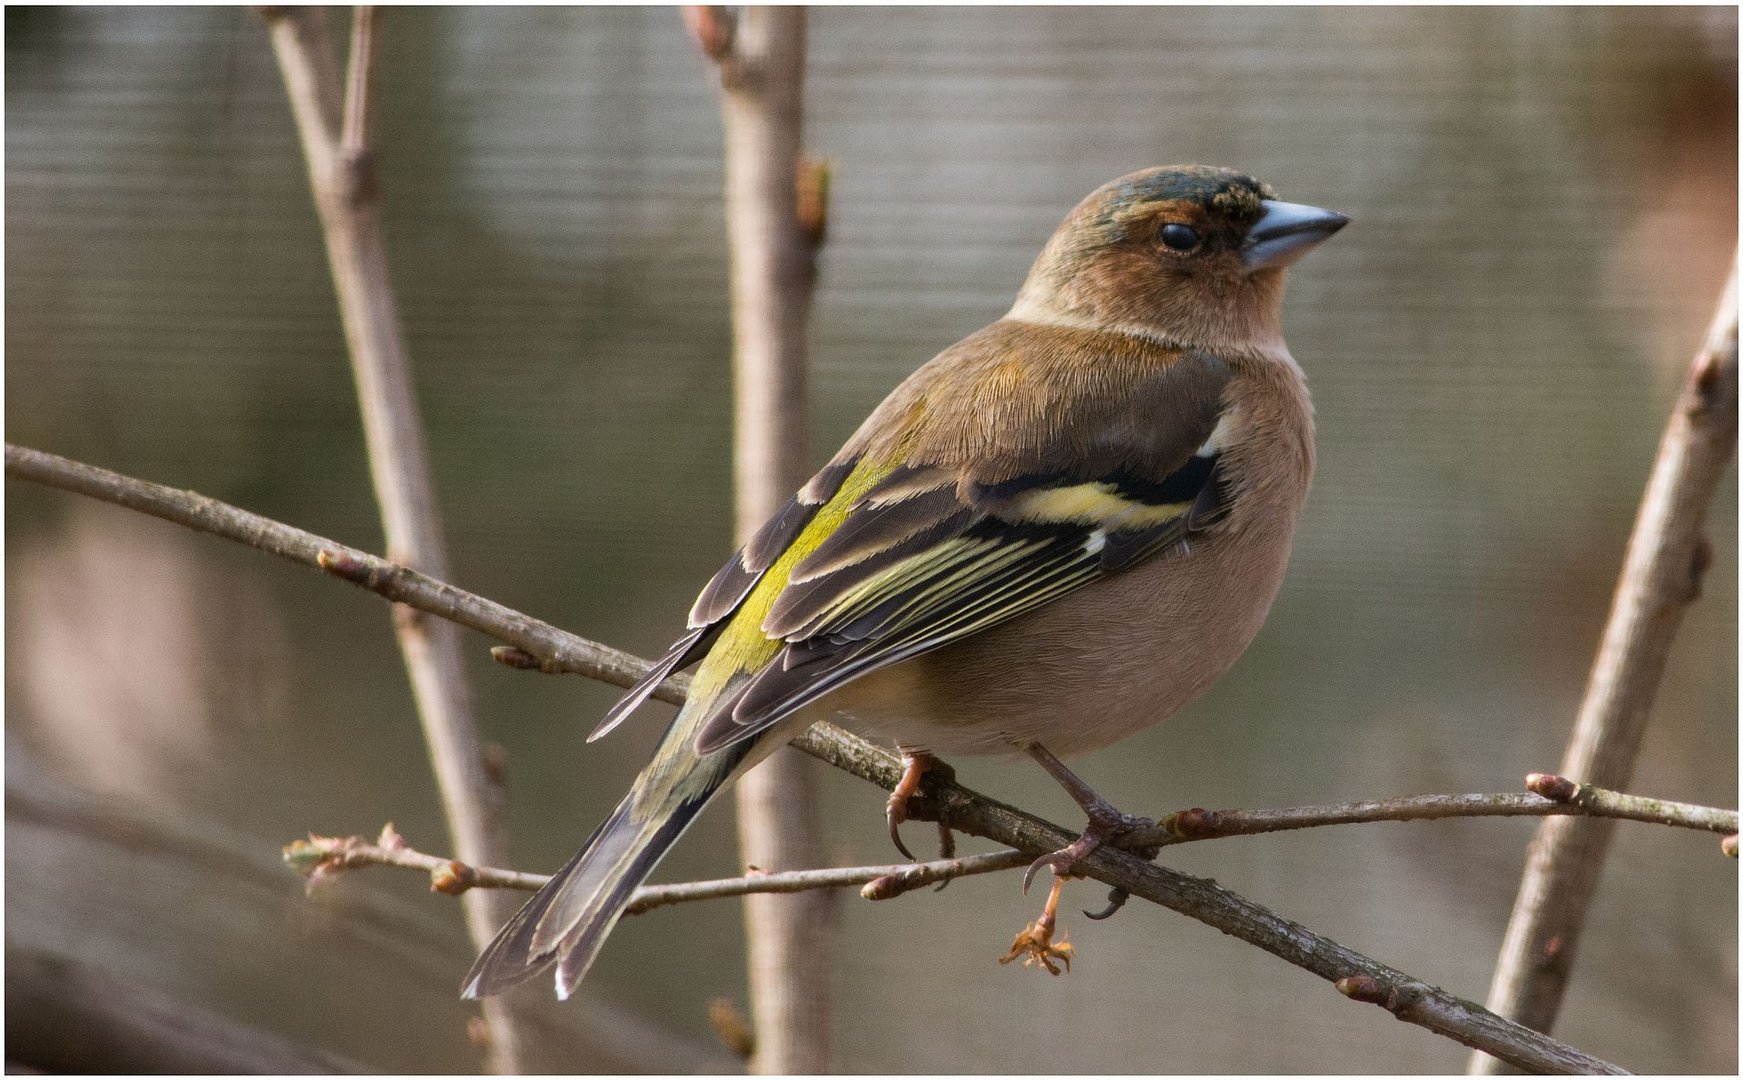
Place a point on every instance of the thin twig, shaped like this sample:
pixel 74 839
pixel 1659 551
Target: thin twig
pixel 962 809
pixel 1195 824
pixel 1668 554
pixel 320 857
pixel 911 875
pixel 357 134
pixel 335 135
pixel 1602 802
pixel 760 55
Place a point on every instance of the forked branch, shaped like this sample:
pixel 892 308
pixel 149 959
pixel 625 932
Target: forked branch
pixel 333 115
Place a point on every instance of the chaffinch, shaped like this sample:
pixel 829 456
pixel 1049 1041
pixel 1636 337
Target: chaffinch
pixel 1058 532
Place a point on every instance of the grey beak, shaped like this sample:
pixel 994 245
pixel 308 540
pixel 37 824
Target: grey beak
pixel 1286 232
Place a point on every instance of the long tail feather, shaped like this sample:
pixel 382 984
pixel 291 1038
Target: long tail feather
pixel 568 919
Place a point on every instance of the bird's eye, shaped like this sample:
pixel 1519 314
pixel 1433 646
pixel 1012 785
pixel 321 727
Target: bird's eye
pixel 1178 237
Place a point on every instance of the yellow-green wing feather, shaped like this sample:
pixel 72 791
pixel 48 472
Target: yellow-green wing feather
pixel 961 559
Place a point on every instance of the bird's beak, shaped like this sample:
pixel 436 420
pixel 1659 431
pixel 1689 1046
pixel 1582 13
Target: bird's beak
pixel 1286 232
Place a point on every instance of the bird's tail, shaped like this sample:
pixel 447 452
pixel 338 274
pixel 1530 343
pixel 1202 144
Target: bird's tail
pixel 568 919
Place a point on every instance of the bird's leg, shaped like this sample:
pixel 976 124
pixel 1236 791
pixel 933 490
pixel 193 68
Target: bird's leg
pixel 1036 945
pixel 915 765
pixel 1105 821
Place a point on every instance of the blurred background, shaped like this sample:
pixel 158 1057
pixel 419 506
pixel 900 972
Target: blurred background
pixel 1544 204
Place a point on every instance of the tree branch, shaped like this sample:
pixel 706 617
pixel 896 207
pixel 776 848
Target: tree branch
pixel 1667 557
pixel 553 650
pixel 759 52
pixel 961 809
pixel 357 133
pixel 1602 803
pixel 320 856
pixel 1549 800
pixel 336 142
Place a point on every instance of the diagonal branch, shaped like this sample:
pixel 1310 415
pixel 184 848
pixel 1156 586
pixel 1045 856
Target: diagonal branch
pixel 1667 556
pixel 1358 976
pixel 65 1016
pixel 961 809
pixel 552 649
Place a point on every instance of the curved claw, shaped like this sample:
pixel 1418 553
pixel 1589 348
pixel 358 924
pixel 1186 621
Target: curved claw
pixel 1060 862
pixel 1117 898
pixel 915 765
pixel 946 850
pixel 895 821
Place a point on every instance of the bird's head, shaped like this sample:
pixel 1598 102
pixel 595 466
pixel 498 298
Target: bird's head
pixel 1191 253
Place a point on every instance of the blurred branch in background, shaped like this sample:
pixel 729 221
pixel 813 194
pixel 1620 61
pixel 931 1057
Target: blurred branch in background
pixel 68 1017
pixel 958 807
pixel 1667 558
pixel 760 55
pixel 378 957
pixel 333 119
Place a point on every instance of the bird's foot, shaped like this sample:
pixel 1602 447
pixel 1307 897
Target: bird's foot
pixel 1035 945
pixel 915 768
pixel 1105 824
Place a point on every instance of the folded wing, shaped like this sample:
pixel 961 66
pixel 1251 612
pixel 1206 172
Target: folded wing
pixel 928 555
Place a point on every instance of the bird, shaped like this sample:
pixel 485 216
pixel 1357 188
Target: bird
pixel 1054 534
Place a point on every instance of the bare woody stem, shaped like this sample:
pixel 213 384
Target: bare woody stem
pixel 558 650
pixel 333 120
pixel 1602 803
pixel 1586 802
pixel 1668 554
pixel 319 856
pixel 760 55
pixel 553 649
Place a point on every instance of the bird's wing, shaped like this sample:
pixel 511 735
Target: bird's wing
pixel 902 560
pixel 728 589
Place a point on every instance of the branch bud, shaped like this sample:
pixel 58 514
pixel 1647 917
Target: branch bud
pixel 452 878
pixel 1552 787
